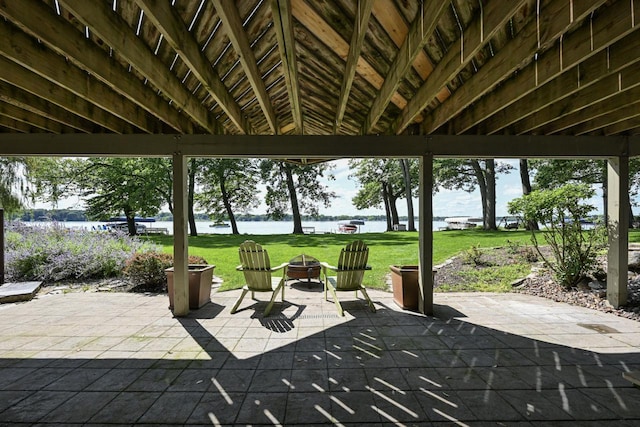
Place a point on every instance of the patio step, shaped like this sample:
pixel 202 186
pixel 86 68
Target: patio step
pixel 633 376
pixel 19 291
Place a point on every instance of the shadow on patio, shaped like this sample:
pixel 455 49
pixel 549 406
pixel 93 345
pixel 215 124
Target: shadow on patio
pixel 123 359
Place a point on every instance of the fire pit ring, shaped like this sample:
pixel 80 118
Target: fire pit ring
pixel 303 267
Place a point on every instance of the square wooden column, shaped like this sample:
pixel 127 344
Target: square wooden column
pixel 425 233
pixel 618 226
pixel 180 237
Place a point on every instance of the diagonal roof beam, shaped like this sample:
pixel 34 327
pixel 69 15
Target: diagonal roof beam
pixel 25 51
pixel 38 19
pixel 233 26
pixel 16 75
pixel 357 40
pixel 15 125
pixel 166 19
pixel 605 44
pixel 283 23
pixel 491 19
pixel 41 107
pixel 111 28
pixel 24 116
pixel 556 17
pixel 422 28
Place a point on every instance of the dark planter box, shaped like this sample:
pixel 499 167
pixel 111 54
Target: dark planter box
pixel 200 279
pixel 404 280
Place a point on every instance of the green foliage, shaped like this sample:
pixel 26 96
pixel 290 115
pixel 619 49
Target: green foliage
pixel 148 269
pixel 561 210
pixel 489 279
pixel 473 256
pixel 526 252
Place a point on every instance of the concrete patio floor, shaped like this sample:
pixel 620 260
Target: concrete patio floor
pixel 484 359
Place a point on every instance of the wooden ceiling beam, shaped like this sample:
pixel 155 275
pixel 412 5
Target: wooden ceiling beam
pixel 283 24
pixel 27 117
pixel 15 125
pixel 630 125
pixel 38 19
pixel 422 28
pixel 606 44
pixel 363 13
pixel 494 17
pixel 111 28
pixel 556 17
pixel 19 76
pixel 170 24
pixel 30 54
pixel 41 107
pixel 609 115
pixel 232 24
pixel 563 113
pixel 323 31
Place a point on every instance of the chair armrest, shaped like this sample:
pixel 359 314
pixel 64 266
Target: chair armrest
pixel 283 265
pixel 328 266
pixel 239 268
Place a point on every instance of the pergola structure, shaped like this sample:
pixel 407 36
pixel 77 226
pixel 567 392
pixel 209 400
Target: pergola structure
pixel 327 79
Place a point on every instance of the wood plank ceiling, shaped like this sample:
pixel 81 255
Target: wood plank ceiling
pixel 320 67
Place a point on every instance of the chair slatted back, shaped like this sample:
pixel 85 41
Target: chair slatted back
pixel 255 265
pixel 352 265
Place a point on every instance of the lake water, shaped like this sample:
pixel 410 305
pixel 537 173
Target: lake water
pixel 248 227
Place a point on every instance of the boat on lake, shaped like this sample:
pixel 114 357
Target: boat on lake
pixel 351 226
pixel 461 223
pixel 219 224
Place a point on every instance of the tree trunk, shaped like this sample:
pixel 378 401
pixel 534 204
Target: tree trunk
pixel 190 193
pixel 131 221
pixel 393 209
pixel 482 185
pixel 526 189
pixel 411 224
pixel 387 209
pixel 227 206
pixel 490 176
pixel 295 209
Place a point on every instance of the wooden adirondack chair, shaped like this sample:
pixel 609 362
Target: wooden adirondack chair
pixel 257 271
pixel 350 270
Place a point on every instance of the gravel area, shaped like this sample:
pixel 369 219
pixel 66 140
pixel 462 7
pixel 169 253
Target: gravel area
pixel 591 293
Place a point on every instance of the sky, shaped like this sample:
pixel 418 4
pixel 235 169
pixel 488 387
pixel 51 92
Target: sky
pixel 446 203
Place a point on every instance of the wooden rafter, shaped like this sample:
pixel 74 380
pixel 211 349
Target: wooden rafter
pixel 232 24
pixel 323 31
pixel 115 32
pixel 480 32
pixel 13 73
pixel 29 118
pixel 357 39
pixel 421 29
pixel 605 45
pixel 556 17
pixel 15 125
pixel 610 113
pixel 174 30
pixel 28 53
pixel 283 24
pixel 41 107
pixel 35 17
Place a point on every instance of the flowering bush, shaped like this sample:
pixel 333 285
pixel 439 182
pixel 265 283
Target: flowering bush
pixel 53 253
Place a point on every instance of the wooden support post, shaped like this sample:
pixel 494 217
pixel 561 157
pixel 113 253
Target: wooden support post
pixel 618 227
pixel 1 246
pixel 180 238
pixel 425 302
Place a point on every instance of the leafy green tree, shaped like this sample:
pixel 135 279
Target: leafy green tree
pixel 226 186
pixel 562 210
pixel 469 174
pixel 296 187
pixel 382 183
pixel 12 183
pixel 129 186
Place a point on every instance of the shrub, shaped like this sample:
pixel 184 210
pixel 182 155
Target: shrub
pixel 53 253
pixel 562 209
pixel 473 255
pixel 148 269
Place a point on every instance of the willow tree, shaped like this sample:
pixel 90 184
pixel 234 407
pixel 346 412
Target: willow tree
pixel 295 188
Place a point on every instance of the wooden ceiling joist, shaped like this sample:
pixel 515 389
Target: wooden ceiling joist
pixel 29 118
pixel 19 76
pixel 41 107
pixel 283 24
pixel 111 28
pixel 607 34
pixel 232 24
pixel 357 39
pixel 174 31
pixel 421 29
pixel 35 17
pixel 15 125
pixel 477 35
pixel 556 17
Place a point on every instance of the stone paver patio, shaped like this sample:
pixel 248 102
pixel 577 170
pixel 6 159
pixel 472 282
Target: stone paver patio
pixel 506 359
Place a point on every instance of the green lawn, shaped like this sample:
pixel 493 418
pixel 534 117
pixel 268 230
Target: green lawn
pixel 398 248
